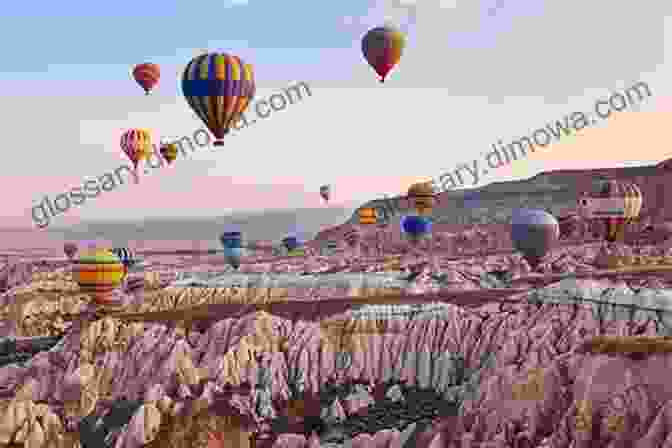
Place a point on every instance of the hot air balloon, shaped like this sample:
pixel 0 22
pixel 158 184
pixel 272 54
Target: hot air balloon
pixel 290 242
pixel 616 203
pixel 325 192
pixel 218 87
pixel 126 256
pixel 233 247
pixel 169 152
pixel 70 249
pixel 382 48
pixel 147 75
pixel 422 197
pixel 137 145
pixel 534 233
pixel 98 272
pixel 367 216
pixel 416 227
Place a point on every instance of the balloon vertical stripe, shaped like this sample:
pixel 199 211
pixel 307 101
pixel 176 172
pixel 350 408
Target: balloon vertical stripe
pixel 219 88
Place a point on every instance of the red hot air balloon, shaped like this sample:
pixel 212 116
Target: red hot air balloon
pixel 147 75
pixel 382 48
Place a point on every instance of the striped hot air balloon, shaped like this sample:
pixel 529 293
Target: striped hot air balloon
pixel 616 203
pixel 422 196
pixel 99 272
pixel 218 87
pixel 137 145
pixel 125 255
pixel 147 75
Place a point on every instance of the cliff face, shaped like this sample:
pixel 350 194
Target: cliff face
pixel 555 191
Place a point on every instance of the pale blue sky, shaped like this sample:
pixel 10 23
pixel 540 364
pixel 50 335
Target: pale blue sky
pixel 473 72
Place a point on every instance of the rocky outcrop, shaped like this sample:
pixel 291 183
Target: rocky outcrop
pixel 555 191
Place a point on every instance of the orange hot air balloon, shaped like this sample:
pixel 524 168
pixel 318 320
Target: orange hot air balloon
pixel 137 145
pixel 382 48
pixel 147 75
pixel 367 216
pixel 98 272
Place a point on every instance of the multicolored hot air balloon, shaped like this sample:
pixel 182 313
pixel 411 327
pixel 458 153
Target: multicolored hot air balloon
pixel 232 241
pixel 534 233
pixel 382 48
pixel 325 192
pixel 616 203
pixel 70 249
pixel 416 228
pixel 137 145
pixel 422 197
pixel 169 152
pixel 218 87
pixel 98 272
pixel 147 75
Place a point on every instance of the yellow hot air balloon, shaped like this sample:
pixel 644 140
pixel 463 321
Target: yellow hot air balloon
pixel 422 197
pixel 616 203
pixel 137 145
pixel 98 272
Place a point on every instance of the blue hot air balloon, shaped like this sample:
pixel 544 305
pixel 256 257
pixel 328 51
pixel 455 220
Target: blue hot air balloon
pixel 416 227
pixel 291 242
pixel 233 247
pixel 534 233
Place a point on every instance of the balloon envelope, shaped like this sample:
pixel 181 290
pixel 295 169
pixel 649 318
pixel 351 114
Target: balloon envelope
pixel 136 144
pixel 291 242
pixel 325 192
pixel 382 48
pixel 99 272
pixel 534 233
pixel 147 75
pixel 232 240
pixel 416 226
pixel 628 194
pixel 218 87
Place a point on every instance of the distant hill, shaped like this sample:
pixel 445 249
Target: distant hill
pixel 555 191
pixel 262 225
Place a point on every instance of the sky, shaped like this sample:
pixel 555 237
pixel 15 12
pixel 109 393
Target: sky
pixel 472 72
